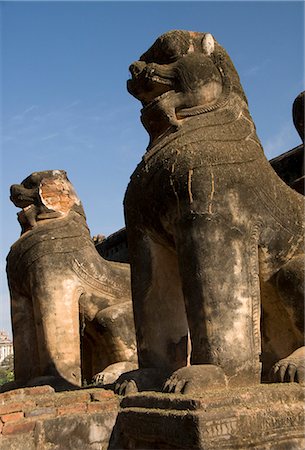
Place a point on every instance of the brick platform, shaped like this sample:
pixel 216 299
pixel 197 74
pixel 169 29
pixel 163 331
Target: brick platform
pixel 38 418
pixel 265 417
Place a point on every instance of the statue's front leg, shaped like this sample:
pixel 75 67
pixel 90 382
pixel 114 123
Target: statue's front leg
pixel 56 309
pixel 26 359
pixel 218 266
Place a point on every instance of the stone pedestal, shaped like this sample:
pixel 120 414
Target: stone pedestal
pixel 261 417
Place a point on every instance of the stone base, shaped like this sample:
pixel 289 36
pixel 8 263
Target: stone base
pixel 260 417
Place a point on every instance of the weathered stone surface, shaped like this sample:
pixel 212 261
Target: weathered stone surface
pixel 213 232
pixel 262 417
pixel 71 309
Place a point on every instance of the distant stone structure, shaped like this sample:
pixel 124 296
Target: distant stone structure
pixel 290 165
pixel 6 346
pixel 71 309
pixel 114 247
pixel 215 237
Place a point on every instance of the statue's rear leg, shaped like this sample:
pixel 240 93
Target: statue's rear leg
pixel 159 311
pixel 290 286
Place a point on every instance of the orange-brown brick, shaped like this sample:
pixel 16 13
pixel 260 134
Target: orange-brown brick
pixel 22 426
pixel 12 417
pixel 39 390
pixel 10 407
pixel 16 394
pixel 102 395
pixel 46 400
pixel 63 398
pixel 96 407
pixel 72 409
pixel 19 394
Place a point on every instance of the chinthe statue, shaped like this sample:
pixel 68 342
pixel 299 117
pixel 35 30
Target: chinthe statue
pixel 215 237
pixel 71 309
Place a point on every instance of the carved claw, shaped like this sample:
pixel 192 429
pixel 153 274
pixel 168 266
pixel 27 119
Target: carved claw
pixel 139 380
pixel 175 385
pixel 287 370
pixel 194 379
pixel 111 374
pixel 290 369
pixel 126 387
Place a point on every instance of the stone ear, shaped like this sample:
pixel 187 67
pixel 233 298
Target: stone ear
pixel 208 44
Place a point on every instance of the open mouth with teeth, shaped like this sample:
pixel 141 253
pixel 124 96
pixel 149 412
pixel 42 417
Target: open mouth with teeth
pixel 150 82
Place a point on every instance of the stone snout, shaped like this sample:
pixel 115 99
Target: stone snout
pixel 167 90
pixel 22 196
pixel 149 81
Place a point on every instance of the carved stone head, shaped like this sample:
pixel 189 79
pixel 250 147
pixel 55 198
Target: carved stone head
pixel 181 71
pixel 43 196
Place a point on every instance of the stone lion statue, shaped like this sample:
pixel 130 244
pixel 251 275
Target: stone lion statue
pixel 71 309
pixel 215 236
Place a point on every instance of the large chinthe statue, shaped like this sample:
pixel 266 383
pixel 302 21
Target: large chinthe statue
pixel 71 309
pixel 215 236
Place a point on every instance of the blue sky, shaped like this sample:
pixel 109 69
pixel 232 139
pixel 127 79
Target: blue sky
pixel 64 103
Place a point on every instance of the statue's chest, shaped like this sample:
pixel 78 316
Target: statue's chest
pixel 174 160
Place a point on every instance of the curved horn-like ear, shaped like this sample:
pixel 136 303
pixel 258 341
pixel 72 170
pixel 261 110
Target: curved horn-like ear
pixel 208 44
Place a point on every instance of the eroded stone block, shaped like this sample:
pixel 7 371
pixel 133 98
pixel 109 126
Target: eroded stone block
pixel 262 417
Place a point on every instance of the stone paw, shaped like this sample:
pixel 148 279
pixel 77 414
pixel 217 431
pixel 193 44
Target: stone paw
pixel 175 384
pixel 126 387
pixel 195 379
pixel 290 369
pixel 113 372
pixel 140 380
